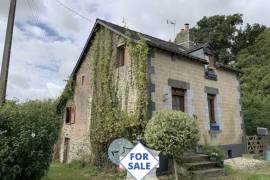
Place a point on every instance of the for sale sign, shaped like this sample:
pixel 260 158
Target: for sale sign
pixel 139 162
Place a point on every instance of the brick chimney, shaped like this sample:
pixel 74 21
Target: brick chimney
pixel 183 38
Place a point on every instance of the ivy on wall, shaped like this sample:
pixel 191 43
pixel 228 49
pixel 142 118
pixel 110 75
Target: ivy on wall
pixel 138 52
pixel 108 119
pixel 66 95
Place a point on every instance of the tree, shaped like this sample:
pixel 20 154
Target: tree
pixel 220 31
pixel 256 113
pixel 28 132
pixel 172 132
pixel 246 37
pixel 255 82
pixel 226 35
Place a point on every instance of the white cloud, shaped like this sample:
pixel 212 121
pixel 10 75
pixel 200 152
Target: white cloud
pixel 48 38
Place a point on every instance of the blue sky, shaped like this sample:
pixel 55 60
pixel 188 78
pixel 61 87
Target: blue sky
pixel 48 38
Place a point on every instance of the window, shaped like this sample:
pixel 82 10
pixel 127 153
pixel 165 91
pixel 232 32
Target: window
pixel 178 99
pixel 211 108
pixel 120 56
pixel 83 79
pixel 70 115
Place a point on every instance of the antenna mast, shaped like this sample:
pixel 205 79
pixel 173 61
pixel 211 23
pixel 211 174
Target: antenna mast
pixel 172 22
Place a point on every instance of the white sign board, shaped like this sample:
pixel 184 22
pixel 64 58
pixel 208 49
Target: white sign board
pixel 139 162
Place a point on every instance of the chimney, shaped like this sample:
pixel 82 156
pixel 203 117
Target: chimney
pixel 186 27
pixel 183 38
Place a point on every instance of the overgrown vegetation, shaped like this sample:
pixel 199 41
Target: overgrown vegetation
pixel 28 133
pixel 255 82
pixel 108 119
pixel 66 95
pixel 138 52
pixel 214 153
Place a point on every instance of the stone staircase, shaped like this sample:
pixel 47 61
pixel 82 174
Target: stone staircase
pixel 199 166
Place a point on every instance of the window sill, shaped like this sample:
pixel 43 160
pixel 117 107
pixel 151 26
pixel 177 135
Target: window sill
pixel 215 127
pixel 214 131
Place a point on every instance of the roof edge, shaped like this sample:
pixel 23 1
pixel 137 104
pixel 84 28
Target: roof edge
pixel 229 68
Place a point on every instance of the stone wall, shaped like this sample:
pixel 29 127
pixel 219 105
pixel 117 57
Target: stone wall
pixel 79 132
pixel 188 71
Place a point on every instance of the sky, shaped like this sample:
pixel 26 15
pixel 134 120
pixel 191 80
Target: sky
pixel 48 38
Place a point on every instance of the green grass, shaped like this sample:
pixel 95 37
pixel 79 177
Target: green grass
pixel 256 174
pixel 74 171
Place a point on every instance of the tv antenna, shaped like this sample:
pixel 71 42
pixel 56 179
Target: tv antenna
pixel 173 23
pixel 124 22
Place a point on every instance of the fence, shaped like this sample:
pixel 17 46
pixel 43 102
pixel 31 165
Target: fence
pixel 254 144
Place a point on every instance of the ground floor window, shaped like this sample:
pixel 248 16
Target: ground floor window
pixel 178 99
pixel 211 108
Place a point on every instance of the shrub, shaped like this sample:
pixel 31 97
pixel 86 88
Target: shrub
pixel 214 152
pixel 171 132
pixel 29 131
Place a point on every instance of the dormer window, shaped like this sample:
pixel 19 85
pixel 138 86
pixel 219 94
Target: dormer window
pixel 210 73
pixel 210 68
pixel 206 57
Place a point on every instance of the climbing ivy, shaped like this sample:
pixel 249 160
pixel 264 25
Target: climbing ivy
pixel 138 52
pixel 108 119
pixel 66 95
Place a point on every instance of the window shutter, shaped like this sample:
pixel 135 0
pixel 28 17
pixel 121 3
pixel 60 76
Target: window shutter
pixel 73 114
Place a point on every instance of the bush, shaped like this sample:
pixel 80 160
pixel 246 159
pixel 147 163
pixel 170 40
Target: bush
pixel 214 153
pixel 28 133
pixel 171 132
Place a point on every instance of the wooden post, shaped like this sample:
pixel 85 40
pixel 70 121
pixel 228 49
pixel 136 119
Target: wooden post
pixel 6 54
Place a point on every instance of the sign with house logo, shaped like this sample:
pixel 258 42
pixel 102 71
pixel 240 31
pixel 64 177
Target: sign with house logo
pixel 119 148
pixel 139 162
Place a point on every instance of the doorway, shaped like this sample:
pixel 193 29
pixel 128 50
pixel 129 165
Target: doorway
pixel 66 150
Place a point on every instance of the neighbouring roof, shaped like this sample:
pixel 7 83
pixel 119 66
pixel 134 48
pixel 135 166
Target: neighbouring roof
pixel 135 36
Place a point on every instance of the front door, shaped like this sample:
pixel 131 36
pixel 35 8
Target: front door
pixel 66 150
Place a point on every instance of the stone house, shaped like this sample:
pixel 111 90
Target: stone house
pixel 180 76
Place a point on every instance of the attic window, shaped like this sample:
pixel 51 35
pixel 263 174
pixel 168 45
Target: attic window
pixel 120 56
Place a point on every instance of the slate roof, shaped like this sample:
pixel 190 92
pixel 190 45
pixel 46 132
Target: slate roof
pixel 150 40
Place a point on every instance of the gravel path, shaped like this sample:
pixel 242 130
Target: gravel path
pixel 242 163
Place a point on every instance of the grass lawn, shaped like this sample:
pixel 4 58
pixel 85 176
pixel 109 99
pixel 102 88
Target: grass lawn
pixel 74 171
pixel 258 174
pixel 59 171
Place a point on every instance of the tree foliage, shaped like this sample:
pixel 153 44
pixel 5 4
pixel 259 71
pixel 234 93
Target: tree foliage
pixel 172 132
pixel 255 82
pixel 220 31
pixel 226 35
pixel 246 37
pixel 28 132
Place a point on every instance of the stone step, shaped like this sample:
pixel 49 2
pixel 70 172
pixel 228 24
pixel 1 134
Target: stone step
pixel 201 165
pixel 208 173
pixel 189 158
